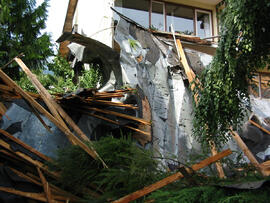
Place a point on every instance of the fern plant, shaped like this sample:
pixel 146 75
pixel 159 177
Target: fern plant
pixel 130 168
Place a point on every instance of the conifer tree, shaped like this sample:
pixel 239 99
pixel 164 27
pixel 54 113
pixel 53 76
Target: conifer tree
pixel 21 22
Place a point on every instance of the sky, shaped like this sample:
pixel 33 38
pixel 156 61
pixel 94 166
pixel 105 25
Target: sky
pixel 56 17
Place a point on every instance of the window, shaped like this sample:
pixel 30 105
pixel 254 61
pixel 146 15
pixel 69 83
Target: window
pixel 158 16
pixel 182 19
pixel 137 11
pixel 203 23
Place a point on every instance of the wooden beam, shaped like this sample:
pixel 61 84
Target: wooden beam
pixel 54 189
pixel 55 108
pixel 42 91
pixel 19 142
pixel 42 110
pixel 110 103
pixel 27 158
pixel 46 187
pixel 244 148
pixel 148 189
pixel 10 155
pixel 35 196
pixel 3 110
pixel 265 168
pixel 260 167
pixel 113 122
pixel 38 116
pixel 68 26
pixel 139 120
pixel 259 126
pixel 192 80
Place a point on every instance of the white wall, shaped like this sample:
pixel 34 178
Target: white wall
pixel 94 19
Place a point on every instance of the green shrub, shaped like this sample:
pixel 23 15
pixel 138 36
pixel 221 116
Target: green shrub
pixel 60 81
pixel 130 167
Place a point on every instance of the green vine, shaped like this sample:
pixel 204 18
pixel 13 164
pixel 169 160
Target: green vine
pixel 223 92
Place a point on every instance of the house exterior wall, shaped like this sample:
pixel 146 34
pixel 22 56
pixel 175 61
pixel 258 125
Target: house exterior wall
pixel 95 19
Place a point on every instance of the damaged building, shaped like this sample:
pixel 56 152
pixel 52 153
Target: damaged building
pixel 148 53
pixel 143 36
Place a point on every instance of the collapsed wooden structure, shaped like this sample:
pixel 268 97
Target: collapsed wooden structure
pixel 28 158
pixel 29 164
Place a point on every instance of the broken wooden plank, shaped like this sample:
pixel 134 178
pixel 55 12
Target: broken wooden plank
pixel 46 186
pixel 192 80
pixel 117 123
pixel 11 61
pixel 42 110
pixel 110 103
pixel 35 196
pixel 57 109
pixel 220 170
pixel 42 91
pixel 259 126
pixel 146 114
pixel 148 189
pixel 105 96
pixel 112 121
pixel 133 118
pixel 148 134
pixel 35 181
pixel 244 148
pixel 63 49
pixel 12 90
pixel 8 154
pixel 19 142
pixel 27 158
pixel 3 110
pixel 265 168
pixel 38 116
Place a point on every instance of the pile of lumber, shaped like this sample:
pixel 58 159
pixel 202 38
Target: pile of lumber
pixel 89 102
pixel 29 164
pixel 25 173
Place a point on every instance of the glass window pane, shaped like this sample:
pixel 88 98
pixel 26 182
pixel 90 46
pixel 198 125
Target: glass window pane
pixel 157 16
pixel 203 25
pixel 182 19
pixel 137 11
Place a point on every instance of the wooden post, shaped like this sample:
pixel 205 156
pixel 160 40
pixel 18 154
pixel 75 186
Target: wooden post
pixel 191 78
pixel 148 189
pixel 244 148
pixel 63 50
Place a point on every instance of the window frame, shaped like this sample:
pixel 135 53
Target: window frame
pixel 210 19
pixel 195 10
pixel 164 13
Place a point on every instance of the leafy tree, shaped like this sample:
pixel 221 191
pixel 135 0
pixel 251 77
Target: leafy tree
pixel 21 22
pixel 243 48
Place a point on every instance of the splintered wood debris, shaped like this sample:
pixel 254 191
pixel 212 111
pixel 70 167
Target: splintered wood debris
pixel 28 163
